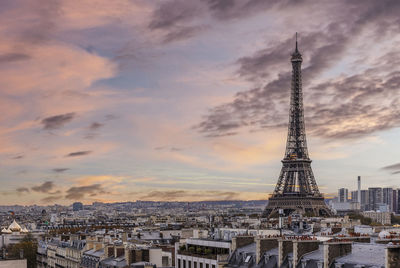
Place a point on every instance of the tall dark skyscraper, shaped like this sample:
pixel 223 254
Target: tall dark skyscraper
pixel 343 195
pixel 296 190
pixel 387 194
pixel 364 200
pixel 375 198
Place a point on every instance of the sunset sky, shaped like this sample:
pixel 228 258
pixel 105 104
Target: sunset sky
pixel 188 99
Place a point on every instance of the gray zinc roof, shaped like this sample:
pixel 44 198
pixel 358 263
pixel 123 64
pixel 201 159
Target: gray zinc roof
pixel 365 254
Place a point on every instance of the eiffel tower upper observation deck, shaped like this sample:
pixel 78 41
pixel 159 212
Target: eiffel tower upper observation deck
pixel 296 189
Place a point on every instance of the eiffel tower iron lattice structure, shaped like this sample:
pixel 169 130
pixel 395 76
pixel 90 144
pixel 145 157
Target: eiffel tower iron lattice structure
pixel 296 190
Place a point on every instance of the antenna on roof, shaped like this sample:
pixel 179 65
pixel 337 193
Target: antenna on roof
pixel 296 42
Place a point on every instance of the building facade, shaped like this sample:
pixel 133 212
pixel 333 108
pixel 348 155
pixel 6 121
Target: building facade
pixel 379 217
pixel 202 253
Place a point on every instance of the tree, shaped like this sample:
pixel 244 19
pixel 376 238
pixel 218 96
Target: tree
pixel 395 219
pixel 309 214
pixel 27 247
pixel 363 220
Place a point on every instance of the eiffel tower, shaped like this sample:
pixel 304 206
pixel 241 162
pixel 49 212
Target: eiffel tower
pixel 296 190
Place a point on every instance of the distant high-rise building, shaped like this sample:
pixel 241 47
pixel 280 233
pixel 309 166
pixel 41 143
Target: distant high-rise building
pixel 359 189
pixel 375 198
pixel 387 194
pixel 396 201
pixel 343 195
pixel 354 196
pixel 364 200
pixel 77 206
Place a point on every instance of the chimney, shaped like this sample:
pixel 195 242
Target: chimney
pixel 301 247
pixel 109 251
pixel 119 251
pixel 98 245
pixel 124 237
pixel 241 241
pixel 333 250
pixel 263 245
pixel 392 257
pixel 128 255
pixel 284 248
pixel 359 190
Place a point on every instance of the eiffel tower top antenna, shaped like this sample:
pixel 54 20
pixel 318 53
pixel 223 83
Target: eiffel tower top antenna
pixel 296 43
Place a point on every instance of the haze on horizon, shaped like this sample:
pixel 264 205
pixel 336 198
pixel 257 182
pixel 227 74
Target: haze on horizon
pixel 188 100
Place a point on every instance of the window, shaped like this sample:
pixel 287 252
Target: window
pixel 201 265
pixel 190 264
pixel 179 263
pixel 184 263
pixel 207 265
pixel 195 264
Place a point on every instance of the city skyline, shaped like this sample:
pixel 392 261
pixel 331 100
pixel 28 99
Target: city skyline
pixel 188 100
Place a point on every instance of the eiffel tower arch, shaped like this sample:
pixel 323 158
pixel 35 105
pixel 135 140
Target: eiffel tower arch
pixel 296 190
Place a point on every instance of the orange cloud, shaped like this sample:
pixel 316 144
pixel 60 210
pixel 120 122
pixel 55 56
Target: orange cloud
pixel 102 179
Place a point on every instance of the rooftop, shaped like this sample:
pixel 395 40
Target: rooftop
pixel 365 254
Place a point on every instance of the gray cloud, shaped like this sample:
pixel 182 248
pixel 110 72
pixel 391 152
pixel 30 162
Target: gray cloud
pixel 22 171
pixel 13 57
pixel 57 121
pixel 177 19
pixel 180 19
pixel 109 117
pixel 79 153
pixel 22 190
pixel 183 32
pixel 164 195
pixel 43 26
pixel 171 13
pixel 343 107
pixel 392 167
pixel 50 199
pixel 80 192
pixel 361 101
pixel 95 126
pixel 171 149
pixel 45 187
pixel 18 157
pixel 90 136
pixel 59 170
pixel 221 5
pixel 234 9
pixel 93 130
